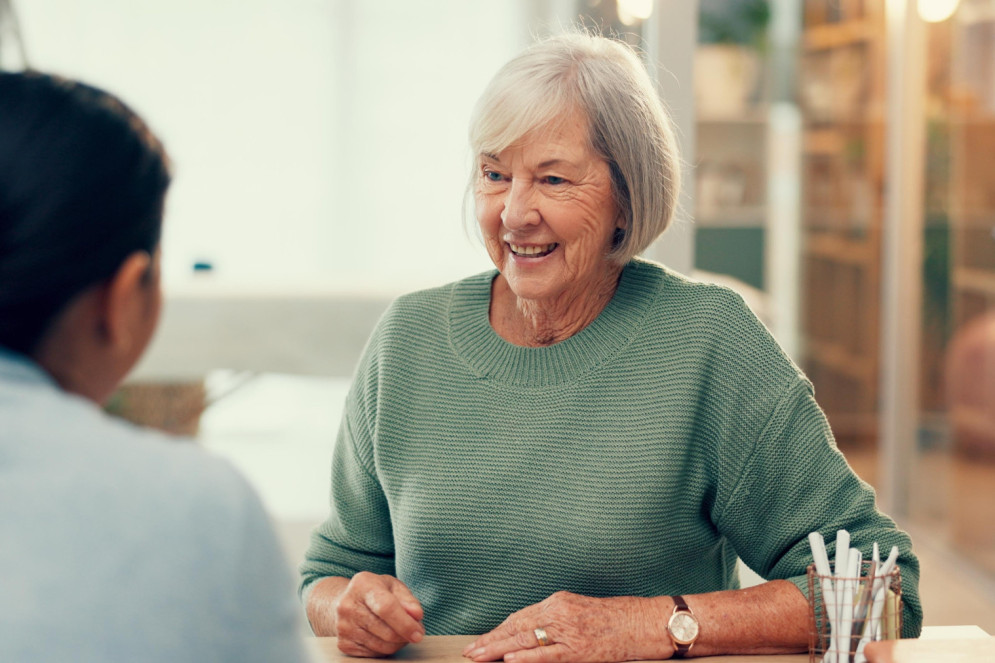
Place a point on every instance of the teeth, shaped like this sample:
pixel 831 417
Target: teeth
pixel 531 250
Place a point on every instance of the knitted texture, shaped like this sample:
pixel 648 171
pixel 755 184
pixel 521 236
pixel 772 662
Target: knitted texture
pixel 638 457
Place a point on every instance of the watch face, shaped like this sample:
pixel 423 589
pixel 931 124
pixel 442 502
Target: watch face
pixel 683 627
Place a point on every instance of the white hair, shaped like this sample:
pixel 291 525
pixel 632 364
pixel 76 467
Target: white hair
pixel 628 125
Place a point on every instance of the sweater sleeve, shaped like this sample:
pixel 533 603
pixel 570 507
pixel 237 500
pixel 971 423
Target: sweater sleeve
pixel 794 481
pixel 357 535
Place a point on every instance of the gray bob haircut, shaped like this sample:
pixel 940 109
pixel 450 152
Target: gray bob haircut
pixel 628 125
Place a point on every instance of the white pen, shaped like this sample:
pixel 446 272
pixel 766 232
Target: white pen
pixel 846 603
pixel 880 589
pixel 876 613
pixel 840 571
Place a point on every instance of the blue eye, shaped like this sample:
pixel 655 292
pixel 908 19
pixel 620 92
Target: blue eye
pixel 492 176
pixel 553 179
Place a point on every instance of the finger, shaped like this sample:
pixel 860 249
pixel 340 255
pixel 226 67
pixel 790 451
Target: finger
pixel 408 601
pixel 551 654
pixel 498 634
pixel 364 627
pixel 380 646
pixel 357 622
pixel 386 606
pixel 514 623
pixel 498 648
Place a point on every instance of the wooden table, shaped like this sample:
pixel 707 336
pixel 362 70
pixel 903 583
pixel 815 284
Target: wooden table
pixel 939 644
pixel 932 651
pixel 449 648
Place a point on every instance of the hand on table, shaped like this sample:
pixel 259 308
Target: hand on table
pixel 579 629
pixel 377 615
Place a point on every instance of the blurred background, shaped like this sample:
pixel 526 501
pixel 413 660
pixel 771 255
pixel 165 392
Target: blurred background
pixel 840 161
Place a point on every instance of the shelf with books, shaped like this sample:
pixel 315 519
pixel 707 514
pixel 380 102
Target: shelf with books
pixel 842 91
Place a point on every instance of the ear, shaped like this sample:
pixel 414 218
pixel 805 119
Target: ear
pixel 621 222
pixel 126 301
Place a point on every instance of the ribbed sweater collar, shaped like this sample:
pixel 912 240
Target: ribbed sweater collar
pixel 490 356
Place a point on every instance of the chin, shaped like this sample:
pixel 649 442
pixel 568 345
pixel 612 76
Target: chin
pixel 525 288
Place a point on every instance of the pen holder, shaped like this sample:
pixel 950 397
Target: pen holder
pixel 837 632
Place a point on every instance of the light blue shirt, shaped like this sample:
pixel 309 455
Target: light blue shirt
pixel 120 544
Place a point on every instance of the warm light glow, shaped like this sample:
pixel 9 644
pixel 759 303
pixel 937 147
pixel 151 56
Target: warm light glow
pixel 936 11
pixel 630 11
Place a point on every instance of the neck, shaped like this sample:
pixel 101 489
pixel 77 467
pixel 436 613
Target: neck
pixel 72 354
pixel 542 322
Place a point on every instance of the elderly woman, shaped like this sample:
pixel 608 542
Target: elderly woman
pixel 116 543
pixel 566 455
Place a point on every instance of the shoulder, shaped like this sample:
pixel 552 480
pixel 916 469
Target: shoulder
pixel 139 523
pixel 189 513
pixel 182 481
pixel 72 442
pixel 96 459
pixel 690 301
pixel 714 323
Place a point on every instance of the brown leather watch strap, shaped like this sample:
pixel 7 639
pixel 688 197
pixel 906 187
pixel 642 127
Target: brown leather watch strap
pixel 680 605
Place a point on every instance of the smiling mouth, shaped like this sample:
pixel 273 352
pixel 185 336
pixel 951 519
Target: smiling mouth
pixel 532 251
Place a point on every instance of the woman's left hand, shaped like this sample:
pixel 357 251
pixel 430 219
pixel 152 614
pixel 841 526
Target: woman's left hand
pixel 579 629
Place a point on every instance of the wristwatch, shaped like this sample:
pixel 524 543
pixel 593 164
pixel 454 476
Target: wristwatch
pixel 682 627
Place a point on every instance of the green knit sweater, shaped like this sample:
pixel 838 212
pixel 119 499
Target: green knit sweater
pixel 638 457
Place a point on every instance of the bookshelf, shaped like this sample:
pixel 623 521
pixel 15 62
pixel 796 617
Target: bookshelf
pixel 842 96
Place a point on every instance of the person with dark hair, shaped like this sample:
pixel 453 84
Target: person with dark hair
pixel 116 543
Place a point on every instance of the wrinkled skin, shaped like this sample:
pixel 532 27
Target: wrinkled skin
pixel 581 629
pixel 376 615
pixel 548 192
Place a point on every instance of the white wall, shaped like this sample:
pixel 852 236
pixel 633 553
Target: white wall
pixel 319 144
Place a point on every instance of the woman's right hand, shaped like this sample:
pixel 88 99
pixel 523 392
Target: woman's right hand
pixel 373 615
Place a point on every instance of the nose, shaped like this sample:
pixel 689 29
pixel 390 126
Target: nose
pixel 520 208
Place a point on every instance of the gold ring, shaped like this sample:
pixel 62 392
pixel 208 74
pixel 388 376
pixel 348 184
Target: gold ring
pixel 541 636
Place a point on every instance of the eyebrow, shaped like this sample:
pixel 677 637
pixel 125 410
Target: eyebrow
pixel 545 164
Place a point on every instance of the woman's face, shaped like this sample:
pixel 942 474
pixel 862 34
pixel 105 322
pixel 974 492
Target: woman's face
pixel 547 213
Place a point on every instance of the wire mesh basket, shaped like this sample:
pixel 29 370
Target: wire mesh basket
pixel 173 407
pixel 839 629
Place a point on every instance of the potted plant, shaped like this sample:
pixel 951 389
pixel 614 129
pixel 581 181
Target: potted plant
pixel 729 59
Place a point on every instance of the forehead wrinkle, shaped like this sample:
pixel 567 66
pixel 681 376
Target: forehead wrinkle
pixel 548 163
